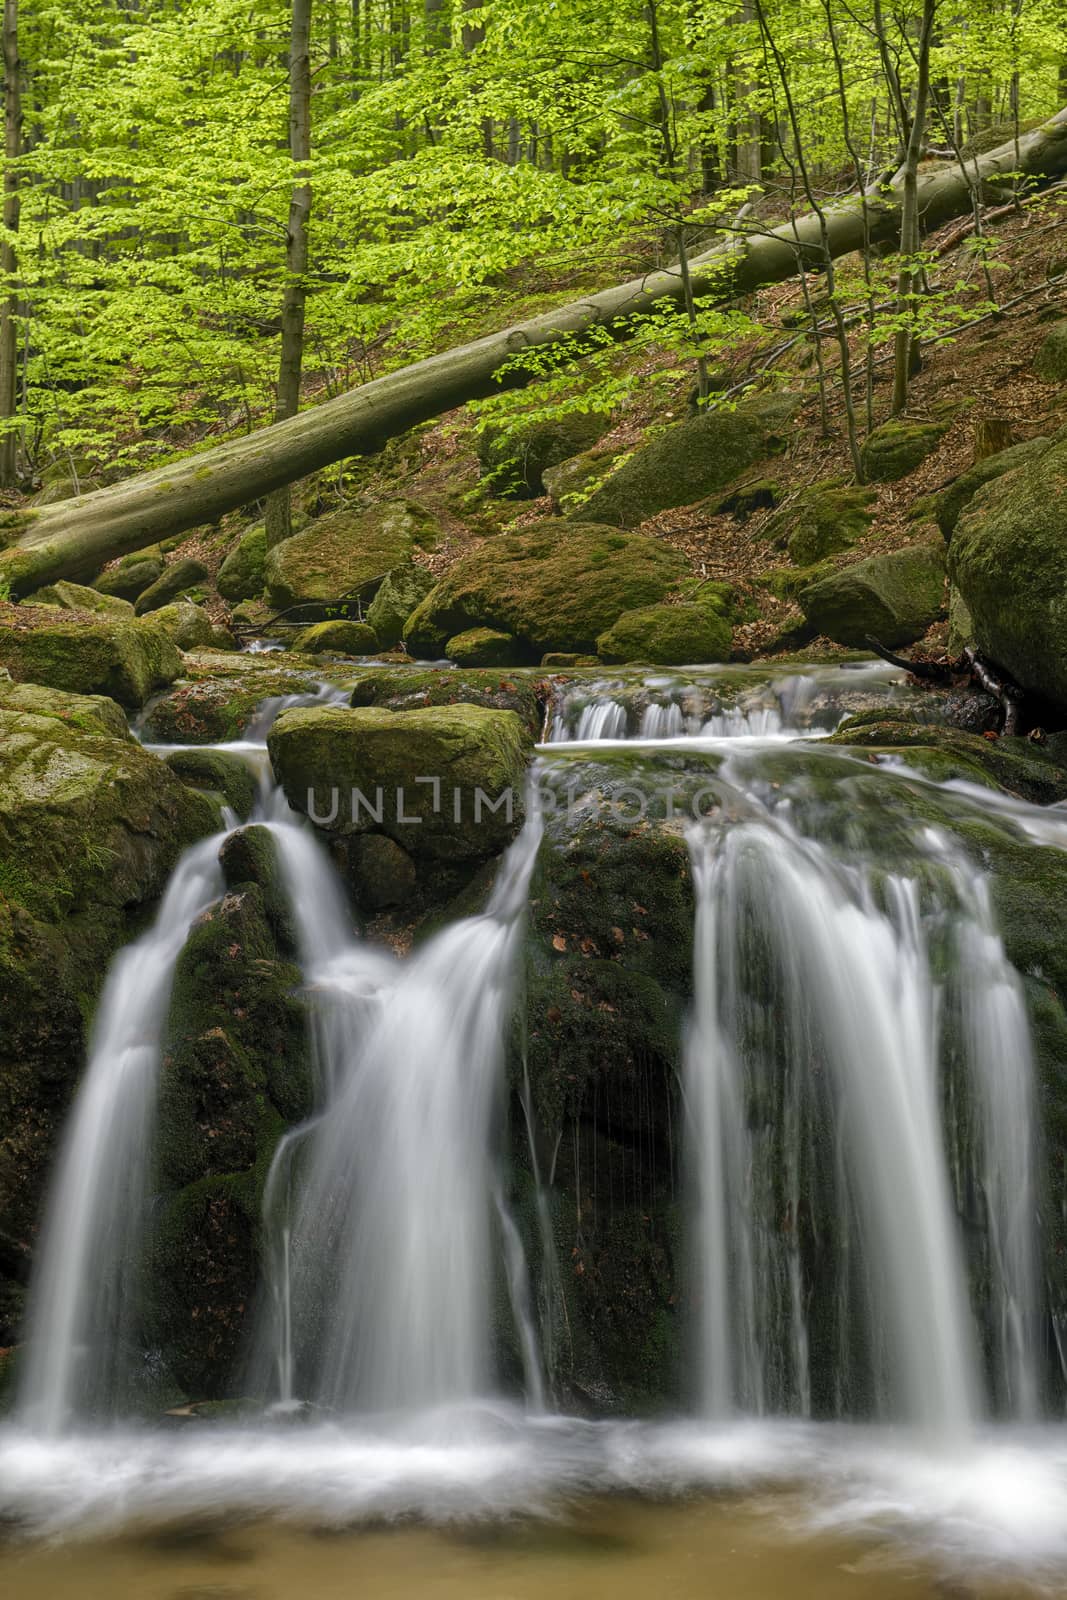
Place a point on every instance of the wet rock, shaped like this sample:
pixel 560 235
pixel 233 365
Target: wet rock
pixel 413 690
pixel 123 660
pixel 382 872
pixel 340 637
pixel 218 773
pixel 892 598
pixel 483 647
pixel 346 554
pixel 665 635
pixel 173 582
pixel 216 710
pixel 187 624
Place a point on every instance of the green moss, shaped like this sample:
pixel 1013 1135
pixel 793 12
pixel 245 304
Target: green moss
pixel 898 447
pixel 1050 363
pixel 954 500
pixel 822 520
pixel 339 637
pixel 515 456
pixel 483 647
pixel 123 660
pixel 404 587
pixel 892 598
pixel 667 636
pixel 82 713
pixel 219 773
pixel 345 555
pixel 181 578
pixel 414 690
pixel 130 579
pixel 76 597
pixel 243 573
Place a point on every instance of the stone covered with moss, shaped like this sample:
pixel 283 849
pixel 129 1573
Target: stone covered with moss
pixel 78 597
pixel 218 773
pixel 823 519
pixel 130 578
pixel 180 578
pixel 81 713
pixel 515 457
pixel 218 708
pixel 124 660
pixel 692 460
pixel 954 500
pixel 1050 363
pixel 555 586
pixel 90 830
pixel 243 573
pixel 572 482
pixel 483 647
pixel 1014 765
pixel 1008 558
pixel 667 636
pixel 892 598
pixel 324 757
pixel 346 554
pixel 339 637
pixel 414 690
pixel 187 624
pixel 898 447
pixel 404 587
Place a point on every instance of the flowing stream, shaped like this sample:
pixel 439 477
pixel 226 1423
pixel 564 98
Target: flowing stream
pixel 862 1149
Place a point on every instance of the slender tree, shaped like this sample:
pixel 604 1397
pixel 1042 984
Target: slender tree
pixel 9 361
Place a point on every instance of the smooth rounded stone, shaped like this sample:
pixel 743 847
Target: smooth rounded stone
pixel 1008 559
pixel 446 782
pixel 78 597
pixel 951 503
pixel 1050 363
pixel 554 586
pixel 668 636
pixel 404 587
pixel 692 460
pixel 414 690
pixel 173 582
pixel 250 855
pixel 382 872
pixel 243 573
pixel 345 555
pixel 483 647
pixel 341 637
pixel 898 447
pixel 823 519
pixel 218 772
pixel 129 582
pixel 892 598
pixel 568 658
pixel 82 713
pixel 515 456
pixel 124 660
pixel 187 624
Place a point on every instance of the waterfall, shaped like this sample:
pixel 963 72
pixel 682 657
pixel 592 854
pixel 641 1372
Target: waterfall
pixel 385 1242
pixel 82 1310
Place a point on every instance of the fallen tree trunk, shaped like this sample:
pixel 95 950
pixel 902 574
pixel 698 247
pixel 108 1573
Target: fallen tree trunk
pixel 75 538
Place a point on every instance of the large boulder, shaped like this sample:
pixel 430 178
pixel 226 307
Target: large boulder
pixel 340 636
pixel 220 708
pixel 123 660
pixel 959 494
pixel 219 774
pixel 446 782
pixel 77 597
pixel 1050 363
pixel 90 829
pixel 419 688
pixel 667 636
pixel 483 647
pixel 692 459
pixel 81 713
pixel 130 579
pixel 187 624
pixel 346 554
pixel 898 447
pixel 555 586
pixel 1008 558
pixel 243 573
pixel 403 589
pixel 173 582
pixel 823 519
pixel 514 457
pixel 572 482
pixel 892 598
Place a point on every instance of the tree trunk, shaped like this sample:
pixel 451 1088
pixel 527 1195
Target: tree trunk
pixel 908 279
pixel 74 538
pixel 291 360
pixel 9 359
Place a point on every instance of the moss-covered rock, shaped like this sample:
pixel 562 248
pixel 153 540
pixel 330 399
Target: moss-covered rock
pixel 217 709
pixel 177 579
pixel 892 598
pixel 345 555
pixel 1014 765
pixel 82 713
pixel 483 647
pixel 898 447
pixel 90 830
pixel 515 456
pixel 187 624
pixel 572 482
pixel 77 597
pixel 666 636
pixel 410 690
pixel 1008 558
pixel 341 637
pixel 383 874
pixel 243 573
pixel 692 459
pixel 325 759
pixel 403 589
pixel 960 622
pixel 218 773
pixel 557 659
pixel 822 520
pixel 555 586
pixel 130 582
pixel 123 660
pixel 953 501
pixel 1050 363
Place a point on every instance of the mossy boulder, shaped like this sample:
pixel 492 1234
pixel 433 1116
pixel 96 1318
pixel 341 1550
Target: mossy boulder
pixel 81 713
pixel 345 555
pixel 677 635
pixel 124 660
pixel 953 500
pixel 415 690
pixel 129 582
pixel 90 830
pixel 187 624
pixel 325 759
pixel 383 874
pixel 218 773
pixel 403 589
pixel 693 459
pixel 898 447
pixel 339 636
pixel 1050 363
pixel 515 456
pixel 215 709
pixel 1014 765
pixel 555 586
pixel 483 647
pixel 892 598
pixel 572 482
pixel 1008 558
pixel 78 597
pixel 823 519
pixel 176 580
pixel 243 573
pixel 960 622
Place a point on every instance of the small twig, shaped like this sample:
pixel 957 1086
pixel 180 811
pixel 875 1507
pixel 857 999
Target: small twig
pixel 1007 694
pixel 930 671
